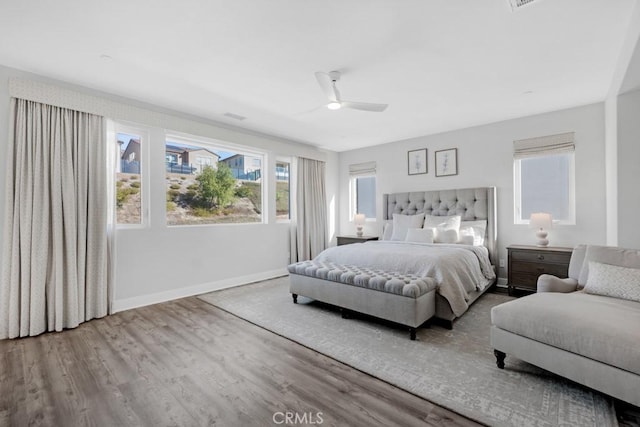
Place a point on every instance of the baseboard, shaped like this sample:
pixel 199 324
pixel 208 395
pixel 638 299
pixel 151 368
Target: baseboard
pixel 502 282
pixel 143 300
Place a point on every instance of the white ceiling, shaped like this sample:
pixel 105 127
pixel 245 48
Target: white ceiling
pixel 439 64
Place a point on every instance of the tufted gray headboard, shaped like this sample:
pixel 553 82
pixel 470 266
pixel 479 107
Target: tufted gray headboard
pixel 471 203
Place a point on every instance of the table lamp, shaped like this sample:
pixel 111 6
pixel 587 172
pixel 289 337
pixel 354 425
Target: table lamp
pixel 541 222
pixel 359 220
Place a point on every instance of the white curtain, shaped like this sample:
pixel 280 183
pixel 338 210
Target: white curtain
pixel 55 269
pixel 311 229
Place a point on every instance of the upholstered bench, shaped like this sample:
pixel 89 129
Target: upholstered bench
pixel 401 298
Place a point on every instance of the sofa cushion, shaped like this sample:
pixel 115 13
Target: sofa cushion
pixel 601 328
pixel 613 281
pixel 608 255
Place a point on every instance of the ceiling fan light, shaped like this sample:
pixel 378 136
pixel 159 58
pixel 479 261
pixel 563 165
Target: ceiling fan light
pixel 334 105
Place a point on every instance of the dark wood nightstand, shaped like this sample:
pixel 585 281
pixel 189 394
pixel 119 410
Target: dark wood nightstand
pixel 526 263
pixel 347 240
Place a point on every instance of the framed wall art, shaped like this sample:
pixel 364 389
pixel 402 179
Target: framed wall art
pixel 417 161
pixel 447 162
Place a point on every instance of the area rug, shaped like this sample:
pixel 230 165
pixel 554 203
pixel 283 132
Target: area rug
pixel 451 368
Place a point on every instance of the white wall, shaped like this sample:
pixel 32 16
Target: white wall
pixel 628 165
pixel 158 263
pixel 485 158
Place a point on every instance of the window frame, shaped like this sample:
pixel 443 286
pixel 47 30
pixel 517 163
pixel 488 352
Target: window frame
pixel 145 141
pixel 218 145
pixel 289 161
pixel 353 196
pixel 517 190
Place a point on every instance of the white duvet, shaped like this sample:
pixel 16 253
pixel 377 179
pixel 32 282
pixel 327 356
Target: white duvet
pixel 457 269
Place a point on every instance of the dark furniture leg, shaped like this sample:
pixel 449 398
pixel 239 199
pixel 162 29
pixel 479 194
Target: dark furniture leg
pixel 412 334
pixel 447 324
pixel 499 358
pixel 295 298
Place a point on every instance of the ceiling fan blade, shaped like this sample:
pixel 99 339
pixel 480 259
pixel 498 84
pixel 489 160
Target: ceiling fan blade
pixel 328 86
pixel 364 106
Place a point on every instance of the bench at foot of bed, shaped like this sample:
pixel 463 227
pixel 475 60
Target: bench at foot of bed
pixel 400 298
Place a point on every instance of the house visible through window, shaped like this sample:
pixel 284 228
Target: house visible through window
pixel 128 179
pixel 211 184
pixel 544 178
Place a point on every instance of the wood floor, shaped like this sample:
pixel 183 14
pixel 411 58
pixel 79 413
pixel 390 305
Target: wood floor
pixel 187 363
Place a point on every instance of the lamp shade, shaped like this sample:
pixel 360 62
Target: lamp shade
pixel 359 219
pixel 540 220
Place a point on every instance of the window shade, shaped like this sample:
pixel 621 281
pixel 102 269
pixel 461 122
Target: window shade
pixel 360 169
pixel 552 144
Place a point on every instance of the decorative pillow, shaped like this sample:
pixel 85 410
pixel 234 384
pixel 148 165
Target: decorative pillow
pixel 613 281
pixel 401 223
pixel 477 229
pixel 387 230
pixel 441 224
pixel 467 239
pixel 447 236
pixel 420 235
pixel 622 257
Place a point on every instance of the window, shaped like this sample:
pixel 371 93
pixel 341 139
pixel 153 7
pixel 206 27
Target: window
pixel 363 189
pixel 544 178
pixel 283 188
pixel 206 187
pixel 130 191
pixel 205 161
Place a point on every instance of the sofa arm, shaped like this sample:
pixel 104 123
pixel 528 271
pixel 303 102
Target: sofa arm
pixel 549 283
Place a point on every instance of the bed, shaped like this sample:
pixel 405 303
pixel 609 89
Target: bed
pixel 460 273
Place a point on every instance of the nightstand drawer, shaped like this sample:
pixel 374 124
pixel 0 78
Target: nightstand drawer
pixel 559 270
pixel 524 280
pixel 537 257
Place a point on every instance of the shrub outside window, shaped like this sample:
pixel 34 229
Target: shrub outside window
pixel 211 184
pixel 129 188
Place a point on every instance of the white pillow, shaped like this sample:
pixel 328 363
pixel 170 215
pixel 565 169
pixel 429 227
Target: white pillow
pixel 387 230
pixel 420 235
pixel 613 281
pixel 465 239
pixel 401 223
pixel 477 229
pixel 442 224
pixel 447 236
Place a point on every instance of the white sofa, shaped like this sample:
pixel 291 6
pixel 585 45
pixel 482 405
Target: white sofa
pixel 589 338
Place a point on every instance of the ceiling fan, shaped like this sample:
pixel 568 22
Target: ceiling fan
pixel 328 81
